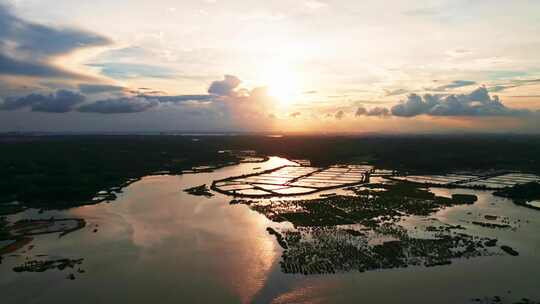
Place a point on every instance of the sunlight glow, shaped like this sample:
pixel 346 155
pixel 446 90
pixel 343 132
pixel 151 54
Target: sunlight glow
pixel 283 84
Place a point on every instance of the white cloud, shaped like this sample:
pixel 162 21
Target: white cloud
pixel 314 4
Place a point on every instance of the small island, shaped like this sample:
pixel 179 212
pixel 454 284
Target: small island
pixel 201 190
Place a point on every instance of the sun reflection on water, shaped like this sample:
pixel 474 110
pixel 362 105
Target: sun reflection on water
pixel 229 246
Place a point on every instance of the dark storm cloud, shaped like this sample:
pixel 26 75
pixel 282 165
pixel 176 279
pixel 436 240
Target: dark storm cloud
pixel 26 48
pixel 179 98
pixel 10 66
pixel 143 100
pixel 99 88
pixel 139 103
pixel 65 101
pixel 120 105
pixel 60 102
pixel 224 87
pixel 42 41
pixel 477 103
pixel 454 85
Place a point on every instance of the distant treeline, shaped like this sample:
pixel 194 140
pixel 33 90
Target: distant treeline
pixel 419 154
pixel 62 171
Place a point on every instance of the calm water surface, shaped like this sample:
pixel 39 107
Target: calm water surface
pixel 157 244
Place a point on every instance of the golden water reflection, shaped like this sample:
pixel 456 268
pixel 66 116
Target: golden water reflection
pixel 196 235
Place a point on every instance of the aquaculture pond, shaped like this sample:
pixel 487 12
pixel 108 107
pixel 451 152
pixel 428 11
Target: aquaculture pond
pixel 171 239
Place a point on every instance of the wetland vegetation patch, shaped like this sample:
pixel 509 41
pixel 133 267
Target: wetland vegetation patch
pixel 318 250
pixel 21 233
pixel 522 194
pixel 365 231
pixel 44 265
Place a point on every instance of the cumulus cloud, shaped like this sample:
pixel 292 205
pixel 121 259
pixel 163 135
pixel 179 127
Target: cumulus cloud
pixel 375 111
pixel 339 115
pixel 249 106
pixel 224 87
pixel 226 98
pixel 26 48
pixel 378 111
pixel 477 103
pixel 360 111
pixel 60 102
pixel 414 105
pixel 227 101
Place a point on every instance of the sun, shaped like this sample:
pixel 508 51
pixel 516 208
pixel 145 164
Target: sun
pixel 283 85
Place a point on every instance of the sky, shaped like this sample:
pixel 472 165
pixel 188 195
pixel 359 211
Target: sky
pixel 403 66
